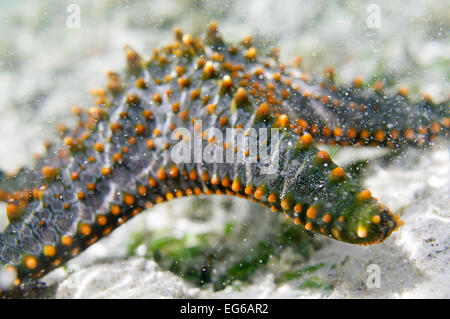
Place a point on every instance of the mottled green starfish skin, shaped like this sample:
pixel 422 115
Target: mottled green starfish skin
pixel 116 162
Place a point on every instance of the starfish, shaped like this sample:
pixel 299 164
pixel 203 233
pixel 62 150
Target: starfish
pixel 119 160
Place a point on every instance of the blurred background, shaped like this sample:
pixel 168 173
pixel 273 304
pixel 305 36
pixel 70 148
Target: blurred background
pixel 52 51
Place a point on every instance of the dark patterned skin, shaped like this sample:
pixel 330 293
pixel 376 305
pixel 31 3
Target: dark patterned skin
pixel 118 161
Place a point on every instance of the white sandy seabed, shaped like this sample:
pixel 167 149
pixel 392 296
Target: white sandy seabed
pixel 413 262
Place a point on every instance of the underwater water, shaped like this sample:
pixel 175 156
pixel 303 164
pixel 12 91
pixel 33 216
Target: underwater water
pixel 227 247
